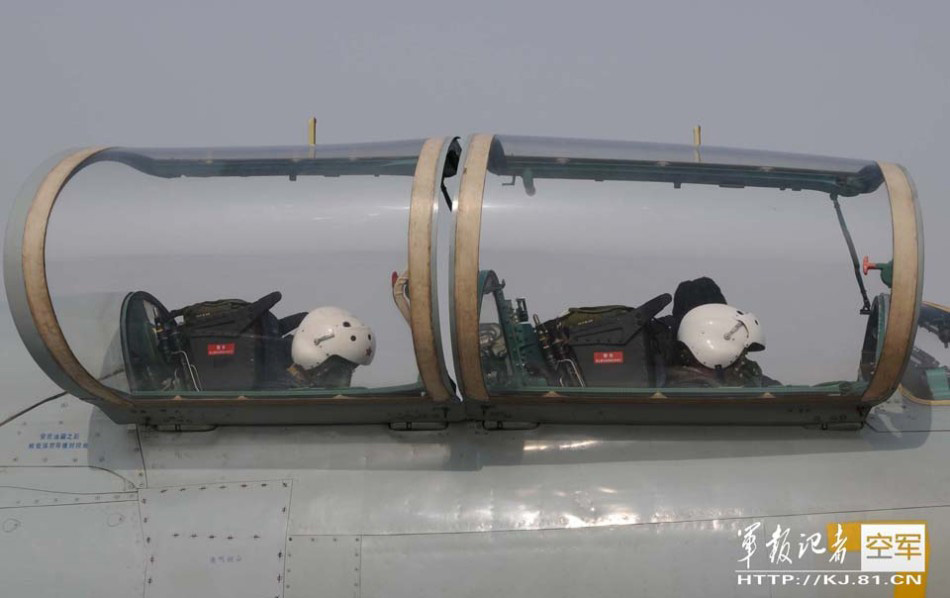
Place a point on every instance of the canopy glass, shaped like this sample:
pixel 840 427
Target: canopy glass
pixel 593 254
pixel 191 281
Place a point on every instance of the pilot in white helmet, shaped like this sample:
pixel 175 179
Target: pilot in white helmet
pixel 718 336
pixel 328 345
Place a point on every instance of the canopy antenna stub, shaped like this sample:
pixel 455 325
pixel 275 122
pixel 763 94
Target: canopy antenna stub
pixel 312 130
pixel 697 142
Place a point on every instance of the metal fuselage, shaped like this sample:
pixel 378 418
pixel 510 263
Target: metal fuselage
pixel 104 509
pixel 92 507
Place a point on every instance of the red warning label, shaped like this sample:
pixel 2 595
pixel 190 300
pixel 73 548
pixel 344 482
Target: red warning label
pixel 608 357
pixel 221 349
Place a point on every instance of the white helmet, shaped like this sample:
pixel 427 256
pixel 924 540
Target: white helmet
pixel 329 331
pixel 717 334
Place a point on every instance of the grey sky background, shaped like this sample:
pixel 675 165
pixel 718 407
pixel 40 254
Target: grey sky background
pixel 861 79
pixel 851 79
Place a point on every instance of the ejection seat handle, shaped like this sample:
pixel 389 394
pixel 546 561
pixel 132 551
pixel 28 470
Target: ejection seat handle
pixel 654 306
pixel 263 304
pixel 291 323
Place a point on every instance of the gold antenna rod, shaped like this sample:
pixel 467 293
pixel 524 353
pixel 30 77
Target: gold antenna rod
pixel 312 130
pixel 697 141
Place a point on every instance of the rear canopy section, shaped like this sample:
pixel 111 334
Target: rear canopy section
pixel 579 264
pixel 584 281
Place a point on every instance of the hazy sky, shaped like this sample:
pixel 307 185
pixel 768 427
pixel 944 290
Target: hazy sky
pixel 853 79
pixel 857 79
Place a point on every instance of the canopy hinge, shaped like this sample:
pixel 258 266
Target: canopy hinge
pixel 418 426
pixel 495 425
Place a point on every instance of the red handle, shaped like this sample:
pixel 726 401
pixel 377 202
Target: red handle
pixel 867 265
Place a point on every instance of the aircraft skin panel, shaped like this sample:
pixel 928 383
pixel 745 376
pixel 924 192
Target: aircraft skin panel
pixel 358 480
pixel 215 539
pixel 90 550
pixel 545 512
pixel 24 383
pixel 31 486
pixel 665 559
pixel 615 561
pixel 70 433
pixel 899 414
pixel 328 566
pixel 936 581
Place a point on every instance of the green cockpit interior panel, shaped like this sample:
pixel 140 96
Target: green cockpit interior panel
pixel 514 371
